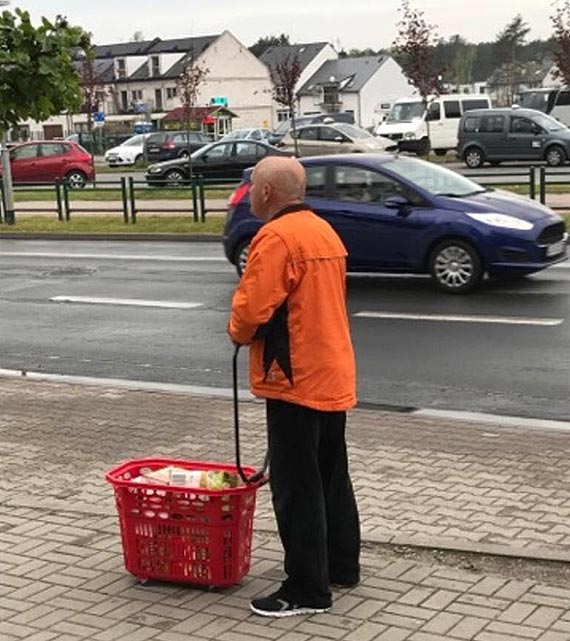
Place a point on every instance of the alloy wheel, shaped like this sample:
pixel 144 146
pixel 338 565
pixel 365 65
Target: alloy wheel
pixel 454 268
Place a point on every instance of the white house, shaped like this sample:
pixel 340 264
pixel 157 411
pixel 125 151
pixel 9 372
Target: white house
pixel 365 86
pixel 138 82
pixel 310 56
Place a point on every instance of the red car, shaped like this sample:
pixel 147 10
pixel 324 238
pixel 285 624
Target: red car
pixel 47 161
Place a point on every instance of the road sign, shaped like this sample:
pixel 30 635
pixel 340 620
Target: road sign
pixel 219 101
pixel 99 116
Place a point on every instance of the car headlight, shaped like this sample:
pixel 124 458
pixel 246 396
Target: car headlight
pixel 502 220
pixel 410 135
pixel 154 170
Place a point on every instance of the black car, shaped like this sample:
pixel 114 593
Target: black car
pixel 165 145
pixel 221 160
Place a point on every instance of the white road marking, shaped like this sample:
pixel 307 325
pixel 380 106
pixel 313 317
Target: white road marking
pixel 132 302
pixel 500 320
pixel 71 256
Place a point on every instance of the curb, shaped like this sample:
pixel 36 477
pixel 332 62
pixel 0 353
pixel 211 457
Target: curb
pixel 188 238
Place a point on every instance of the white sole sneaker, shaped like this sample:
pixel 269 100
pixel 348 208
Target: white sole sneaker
pixel 287 613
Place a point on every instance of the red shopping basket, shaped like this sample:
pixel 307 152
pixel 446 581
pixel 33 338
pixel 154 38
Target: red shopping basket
pixel 183 534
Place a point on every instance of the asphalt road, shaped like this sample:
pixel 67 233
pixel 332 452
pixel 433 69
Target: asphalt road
pixel 446 361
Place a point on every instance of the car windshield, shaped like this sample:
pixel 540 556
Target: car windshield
pixel 406 111
pixel 134 141
pixel 547 122
pixel 353 132
pixel 435 179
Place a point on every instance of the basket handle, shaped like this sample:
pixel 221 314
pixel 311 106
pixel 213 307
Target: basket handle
pixel 256 476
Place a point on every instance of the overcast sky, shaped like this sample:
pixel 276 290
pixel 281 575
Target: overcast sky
pixel 354 24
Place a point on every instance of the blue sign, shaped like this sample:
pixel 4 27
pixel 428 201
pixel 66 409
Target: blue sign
pixel 219 101
pixel 98 116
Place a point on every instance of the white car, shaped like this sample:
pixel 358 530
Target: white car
pixel 129 152
pixel 248 134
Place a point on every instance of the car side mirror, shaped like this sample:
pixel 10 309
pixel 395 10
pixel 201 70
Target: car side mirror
pixel 399 203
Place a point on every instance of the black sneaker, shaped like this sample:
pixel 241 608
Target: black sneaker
pixel 276 605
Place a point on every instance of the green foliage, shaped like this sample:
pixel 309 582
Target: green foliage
pixel 37 75
pixel 263 44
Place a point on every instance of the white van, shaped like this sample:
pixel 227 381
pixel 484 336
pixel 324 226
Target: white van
pixel 406 121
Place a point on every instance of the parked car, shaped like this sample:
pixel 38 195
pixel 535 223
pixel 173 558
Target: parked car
pixel 165 145
pixel 402 214
pixel 129 152
pixel 495 135
pixel 223 160
pixel 301 121
pixel 333 138
pixel 47 161
pixel 248 134
pixel 408 120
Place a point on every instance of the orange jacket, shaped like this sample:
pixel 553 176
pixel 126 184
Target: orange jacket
pixel 290 306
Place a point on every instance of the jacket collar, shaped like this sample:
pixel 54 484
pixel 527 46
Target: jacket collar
pixel 291 209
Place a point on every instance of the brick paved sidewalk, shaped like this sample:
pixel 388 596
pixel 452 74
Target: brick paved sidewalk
pixel 417 480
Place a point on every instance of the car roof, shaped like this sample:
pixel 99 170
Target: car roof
pixel 374 160
pixel 503 111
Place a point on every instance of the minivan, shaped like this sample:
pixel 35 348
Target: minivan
pixel 406 122
pixel 496 135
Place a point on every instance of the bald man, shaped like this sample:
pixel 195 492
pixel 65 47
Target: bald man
pixel 290 308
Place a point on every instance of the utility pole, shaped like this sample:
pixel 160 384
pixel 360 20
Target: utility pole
pixel 7 188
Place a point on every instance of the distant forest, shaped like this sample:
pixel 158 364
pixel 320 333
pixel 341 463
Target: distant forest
pixel 463 62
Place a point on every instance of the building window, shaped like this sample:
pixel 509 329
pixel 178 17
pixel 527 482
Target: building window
pixel 158 99
pixel 281 94
pixel 283 115
pixel 121 69
pixel 124 100
pixel 171 93
pixel 331 95
pixel 155 66
pixel 137 95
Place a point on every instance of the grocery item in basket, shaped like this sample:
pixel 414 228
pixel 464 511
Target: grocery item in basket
pixel 205 479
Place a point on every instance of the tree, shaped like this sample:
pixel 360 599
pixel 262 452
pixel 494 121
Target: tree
pixel 93 86
pixel 285 75
pixel 138 36
pixel 561 23
pixel 415 48
pixel 37 77
pixel 263 44
pixel 507 44
pixel 189 83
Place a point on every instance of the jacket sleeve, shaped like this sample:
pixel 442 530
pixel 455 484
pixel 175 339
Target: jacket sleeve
pixel 265 284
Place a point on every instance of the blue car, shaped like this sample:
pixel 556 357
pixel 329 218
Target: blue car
pixel 405 215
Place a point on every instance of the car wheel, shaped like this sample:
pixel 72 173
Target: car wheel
pixel 241 255
pixel 174 178
pixel 473 158
pixel 138 159
pixel 555 156
pixel 455 266
pixel 76 179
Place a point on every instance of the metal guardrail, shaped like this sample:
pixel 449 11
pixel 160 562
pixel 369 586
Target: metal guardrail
pixel 536 179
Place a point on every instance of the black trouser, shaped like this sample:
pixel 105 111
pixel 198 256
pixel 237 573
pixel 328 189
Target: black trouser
pixel 313 500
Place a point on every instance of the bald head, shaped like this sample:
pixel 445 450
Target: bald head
pixel 276 183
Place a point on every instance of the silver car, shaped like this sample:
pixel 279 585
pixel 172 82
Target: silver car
pixel 334 138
